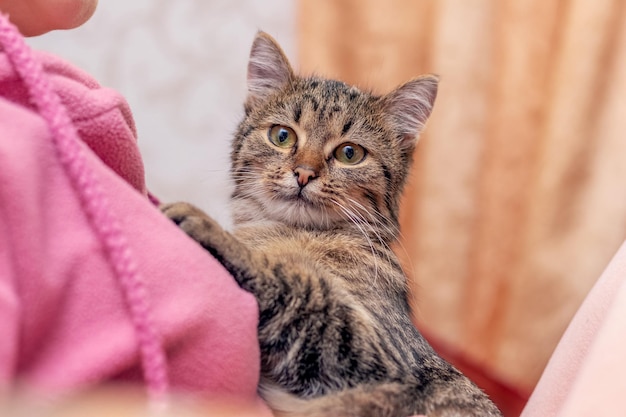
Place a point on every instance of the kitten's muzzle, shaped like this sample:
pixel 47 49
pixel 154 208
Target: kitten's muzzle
pixel 304 174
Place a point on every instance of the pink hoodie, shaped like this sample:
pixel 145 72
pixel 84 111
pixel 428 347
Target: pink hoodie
pixel 95 284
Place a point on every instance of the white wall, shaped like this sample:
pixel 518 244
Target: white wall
pixel 182 67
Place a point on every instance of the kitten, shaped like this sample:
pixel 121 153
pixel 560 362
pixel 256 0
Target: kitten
pixel 318 168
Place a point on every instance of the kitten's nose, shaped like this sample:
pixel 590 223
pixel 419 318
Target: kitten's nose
pixel 304 175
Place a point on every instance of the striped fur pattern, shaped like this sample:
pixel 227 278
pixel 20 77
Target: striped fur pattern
pixel 318 168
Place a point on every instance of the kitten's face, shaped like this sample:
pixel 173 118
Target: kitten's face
pixel 313 153
pixel 317 154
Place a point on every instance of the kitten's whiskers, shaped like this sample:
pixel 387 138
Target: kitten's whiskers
pixel 360 209
pixel 381 221
pixel 359 222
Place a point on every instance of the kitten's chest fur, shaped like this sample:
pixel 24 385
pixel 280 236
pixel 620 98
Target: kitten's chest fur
pixel 364 267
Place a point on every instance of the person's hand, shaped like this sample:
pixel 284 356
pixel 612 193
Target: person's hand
pixel 34 17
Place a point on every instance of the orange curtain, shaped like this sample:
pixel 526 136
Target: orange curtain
pixel 517 199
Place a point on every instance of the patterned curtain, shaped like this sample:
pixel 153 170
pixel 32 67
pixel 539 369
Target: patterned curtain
pixel 517 199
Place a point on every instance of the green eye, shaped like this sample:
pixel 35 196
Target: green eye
pixel 349 153
pixel 282 136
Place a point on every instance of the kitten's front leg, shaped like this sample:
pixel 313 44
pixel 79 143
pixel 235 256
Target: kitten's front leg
pixel 230 252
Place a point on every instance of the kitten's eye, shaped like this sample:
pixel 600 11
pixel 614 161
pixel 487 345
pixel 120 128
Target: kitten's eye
pixel 282 136
pixel 349 153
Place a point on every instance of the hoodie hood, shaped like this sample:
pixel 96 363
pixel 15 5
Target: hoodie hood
pixel 75 107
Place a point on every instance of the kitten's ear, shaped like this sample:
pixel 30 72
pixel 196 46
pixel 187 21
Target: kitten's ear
pixel 268 68
pixel 410 105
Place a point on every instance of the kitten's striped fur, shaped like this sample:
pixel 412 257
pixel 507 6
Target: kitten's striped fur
pixel 312 242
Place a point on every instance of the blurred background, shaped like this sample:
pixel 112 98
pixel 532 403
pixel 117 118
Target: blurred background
pixel 517 199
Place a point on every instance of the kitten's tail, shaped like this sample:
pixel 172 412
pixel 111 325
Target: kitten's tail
pixel 382 400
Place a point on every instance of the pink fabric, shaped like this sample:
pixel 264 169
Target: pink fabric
pixel 585 376
pixel 95 284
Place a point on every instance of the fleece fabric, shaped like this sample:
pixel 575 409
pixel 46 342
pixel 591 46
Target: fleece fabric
pixel 585 375
pixel 96 286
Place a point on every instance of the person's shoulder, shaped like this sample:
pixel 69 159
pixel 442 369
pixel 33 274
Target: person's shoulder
pixel 57 66
pixel 101 116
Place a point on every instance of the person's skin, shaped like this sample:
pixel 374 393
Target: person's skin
pixel 34 17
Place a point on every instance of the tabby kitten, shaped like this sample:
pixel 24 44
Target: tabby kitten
pixel 318 168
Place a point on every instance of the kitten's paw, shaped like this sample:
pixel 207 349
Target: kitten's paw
pixel 189 218
pixel 179 212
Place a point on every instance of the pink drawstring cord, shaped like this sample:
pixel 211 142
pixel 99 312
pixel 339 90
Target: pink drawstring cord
pixel 95 203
